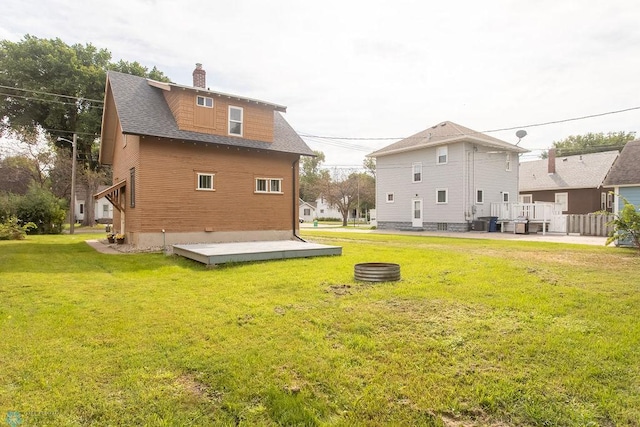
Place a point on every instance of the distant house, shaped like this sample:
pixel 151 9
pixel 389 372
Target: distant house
pixel 443 178
pixel 193 165
pixel 103 210
pixel 325 210
pixel 624 177
pixel 307 211
pixel 574 182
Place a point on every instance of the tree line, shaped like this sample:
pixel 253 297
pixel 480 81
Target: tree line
pixel 49 91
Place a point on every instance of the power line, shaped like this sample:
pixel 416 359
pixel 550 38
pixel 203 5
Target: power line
pixel 590 116
pixel 30 98
pixel 52 94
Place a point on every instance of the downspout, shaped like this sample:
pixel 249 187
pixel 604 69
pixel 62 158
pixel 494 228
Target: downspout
pixel 294 200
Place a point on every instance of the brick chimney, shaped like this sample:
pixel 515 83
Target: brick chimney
pixel 551 167
pixel 199 77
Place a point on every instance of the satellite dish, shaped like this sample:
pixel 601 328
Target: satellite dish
pixel 520 134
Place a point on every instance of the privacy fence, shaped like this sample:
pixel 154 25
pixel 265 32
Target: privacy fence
pixel 590 224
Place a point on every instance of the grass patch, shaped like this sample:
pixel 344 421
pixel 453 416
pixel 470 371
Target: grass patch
pixel 476 333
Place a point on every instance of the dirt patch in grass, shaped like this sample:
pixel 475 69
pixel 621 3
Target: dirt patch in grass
pixel 193 387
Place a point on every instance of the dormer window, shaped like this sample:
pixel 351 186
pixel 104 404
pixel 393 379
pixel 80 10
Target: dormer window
pixel 235 120
pixel 442 155
pixel 204 101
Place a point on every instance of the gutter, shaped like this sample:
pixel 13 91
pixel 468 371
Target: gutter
pixel 294 200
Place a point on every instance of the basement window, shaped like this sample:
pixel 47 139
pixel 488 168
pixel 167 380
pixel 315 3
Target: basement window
pixel 204 101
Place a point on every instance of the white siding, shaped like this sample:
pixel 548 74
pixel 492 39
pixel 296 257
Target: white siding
pixel 469 167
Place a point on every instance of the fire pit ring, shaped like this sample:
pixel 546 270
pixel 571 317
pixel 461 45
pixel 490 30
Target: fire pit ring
pixel 377 272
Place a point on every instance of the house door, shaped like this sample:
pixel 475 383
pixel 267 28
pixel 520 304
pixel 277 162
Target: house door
pixel 416 212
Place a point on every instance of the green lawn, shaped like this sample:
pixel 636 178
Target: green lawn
pixel 477 333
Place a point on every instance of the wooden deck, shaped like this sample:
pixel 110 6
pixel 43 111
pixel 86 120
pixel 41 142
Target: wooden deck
pixel 220 253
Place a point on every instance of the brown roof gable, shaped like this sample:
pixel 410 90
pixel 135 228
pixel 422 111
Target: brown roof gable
pixel 626 170
pixel 445 133
pixel 142 110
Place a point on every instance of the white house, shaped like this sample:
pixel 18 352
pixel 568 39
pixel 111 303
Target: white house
pixel 307 211
pixel 326 211
pixel 103 210
pixel 444 178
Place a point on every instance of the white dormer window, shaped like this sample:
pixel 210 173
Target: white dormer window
pixel 442 155
pixel 204 101
pixel 235 120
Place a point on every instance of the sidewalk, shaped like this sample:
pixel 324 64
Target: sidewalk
pixel 538 237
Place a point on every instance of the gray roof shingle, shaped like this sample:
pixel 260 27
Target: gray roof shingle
pixel 626 170
pixel 445 133
pixel 572 172
pixel 143 110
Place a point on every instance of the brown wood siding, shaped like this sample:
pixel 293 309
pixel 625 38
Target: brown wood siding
pixel 581 201
pixel 166 195
pixel 257 119
pixel 126 157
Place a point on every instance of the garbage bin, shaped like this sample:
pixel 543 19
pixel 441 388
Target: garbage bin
pixel 315 222
pixel 486 220
pixel 493 224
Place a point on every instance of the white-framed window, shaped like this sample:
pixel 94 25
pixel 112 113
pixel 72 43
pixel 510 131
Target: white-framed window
pixel 442 155
pixel 610 198
pixel 390 198
pixel 204 181
pixel 563 200
pixel 235 120
pixel 81 208
pixel 505 196
pixel 268 185
pixel 442 196
pixel 417 172
pixel 479 196
pixel 307 212
pixel 204 101
pixel 603 200
pixel 105 211
pixel 508 163
pixel 526 198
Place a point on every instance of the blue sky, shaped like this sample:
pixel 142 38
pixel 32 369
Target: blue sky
pixel 379 69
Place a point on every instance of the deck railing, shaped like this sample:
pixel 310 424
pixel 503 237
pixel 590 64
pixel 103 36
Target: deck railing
pixel 539 211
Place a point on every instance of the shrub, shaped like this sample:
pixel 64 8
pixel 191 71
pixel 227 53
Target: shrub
pixel 11 229
pixel 42 208
pixel 626 225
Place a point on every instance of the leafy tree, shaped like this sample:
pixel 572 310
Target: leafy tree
pixel 626 225
pixel 369 164
pixel 42 208
pixel 349 192
pixel 16 174
pixel 312 176
pixel 11 229
pixel 56 89
pixel 591 143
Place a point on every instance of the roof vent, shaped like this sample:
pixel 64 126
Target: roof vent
pixel 443 123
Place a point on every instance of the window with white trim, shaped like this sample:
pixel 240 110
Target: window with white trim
pixel 505 196
pixel 563 200
pixel 442 155
pixel 442 196
pixel 235 120
pixel 205 181
pixel 417 172
pixel 269 185
pixel 307 212
pixel 390 198
pixel 479 196
pixel 508 163
pixel 204 101
pixel 603 200
pixel 526 198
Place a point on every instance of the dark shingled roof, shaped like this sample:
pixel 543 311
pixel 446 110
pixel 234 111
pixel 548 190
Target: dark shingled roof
pixel 626 170
pixel 142 110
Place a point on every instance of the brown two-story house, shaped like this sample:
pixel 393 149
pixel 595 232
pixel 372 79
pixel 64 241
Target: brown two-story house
pixel 193 165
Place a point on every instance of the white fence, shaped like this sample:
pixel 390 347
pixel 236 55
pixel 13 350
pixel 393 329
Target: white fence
pixel 590 224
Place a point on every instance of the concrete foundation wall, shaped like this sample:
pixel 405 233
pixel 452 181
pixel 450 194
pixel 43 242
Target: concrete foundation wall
pixel 159 240
pixel 426 226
